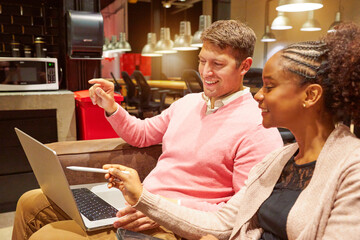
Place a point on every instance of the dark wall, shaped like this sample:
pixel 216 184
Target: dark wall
pixel 221 9
pixel 139 15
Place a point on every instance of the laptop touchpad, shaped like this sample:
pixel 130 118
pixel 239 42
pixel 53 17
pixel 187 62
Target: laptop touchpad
pixel 112 195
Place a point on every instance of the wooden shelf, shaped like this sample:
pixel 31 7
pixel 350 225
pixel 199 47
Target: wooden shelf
pixel 23 21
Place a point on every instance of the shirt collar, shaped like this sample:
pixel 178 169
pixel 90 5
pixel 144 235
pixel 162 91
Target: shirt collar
pixel 223 101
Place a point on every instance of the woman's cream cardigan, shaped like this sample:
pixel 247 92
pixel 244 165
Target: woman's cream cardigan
pixel 329 207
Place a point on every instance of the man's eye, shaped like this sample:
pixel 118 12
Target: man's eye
pixel 202 62
pixel 217 64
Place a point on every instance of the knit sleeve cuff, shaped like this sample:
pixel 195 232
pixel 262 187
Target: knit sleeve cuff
pixel 146 200
pixel 117 109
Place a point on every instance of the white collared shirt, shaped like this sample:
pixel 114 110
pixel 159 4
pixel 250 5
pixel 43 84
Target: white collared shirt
pixel 222 102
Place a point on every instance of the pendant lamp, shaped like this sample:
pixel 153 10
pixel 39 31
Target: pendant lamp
pixel 337 19
pixel 336 22
pixel 281 22
pixel 268 35
pixel 165 44
pixel 111 47
pixel 106 44
pixel 106 47
pixel 183 41
pixel 311 24
pixel 149 49
pixel 204 22
pixel 298 5
pixel 122 45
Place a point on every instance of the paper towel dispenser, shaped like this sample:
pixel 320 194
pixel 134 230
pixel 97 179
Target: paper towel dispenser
pixel 85 34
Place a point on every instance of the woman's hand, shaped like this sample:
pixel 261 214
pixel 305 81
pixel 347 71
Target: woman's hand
pixel 208 237
pixel 102 94
pixel 126 179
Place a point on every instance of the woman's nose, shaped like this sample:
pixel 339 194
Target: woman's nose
pixel 259 96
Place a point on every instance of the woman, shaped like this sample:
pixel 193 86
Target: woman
pixel 306 190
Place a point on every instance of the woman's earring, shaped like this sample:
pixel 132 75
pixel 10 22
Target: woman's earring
pixel 304 105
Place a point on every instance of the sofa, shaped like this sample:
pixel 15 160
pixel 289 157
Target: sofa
pixel 96 153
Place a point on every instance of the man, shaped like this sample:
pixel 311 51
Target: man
pixel 210 140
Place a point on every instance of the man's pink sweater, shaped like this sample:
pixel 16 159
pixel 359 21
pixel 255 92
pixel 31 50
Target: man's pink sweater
pixel 206 158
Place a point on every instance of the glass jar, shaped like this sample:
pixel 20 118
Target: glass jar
pixel 15 49
pixel 27 51
pixel 40 47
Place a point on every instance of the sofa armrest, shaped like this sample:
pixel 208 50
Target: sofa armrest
pixel 96 153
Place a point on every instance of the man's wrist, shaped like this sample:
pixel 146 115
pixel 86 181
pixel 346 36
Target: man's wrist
pixel 112 110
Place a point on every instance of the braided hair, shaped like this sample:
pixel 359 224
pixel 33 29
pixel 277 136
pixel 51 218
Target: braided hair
pixel 334 63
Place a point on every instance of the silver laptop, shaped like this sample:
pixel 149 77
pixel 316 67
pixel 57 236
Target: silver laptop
pixel 52 180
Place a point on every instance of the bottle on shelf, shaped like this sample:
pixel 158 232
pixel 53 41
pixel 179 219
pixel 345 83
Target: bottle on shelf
pixel 40 48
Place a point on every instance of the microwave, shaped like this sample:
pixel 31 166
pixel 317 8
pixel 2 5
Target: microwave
pixel 28 74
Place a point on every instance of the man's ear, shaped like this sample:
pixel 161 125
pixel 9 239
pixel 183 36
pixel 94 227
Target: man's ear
pixel 245 65
pixel 313 94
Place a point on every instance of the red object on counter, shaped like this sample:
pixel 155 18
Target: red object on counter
pixel 90 119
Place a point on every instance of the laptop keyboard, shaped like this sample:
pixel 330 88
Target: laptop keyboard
pixel 92 206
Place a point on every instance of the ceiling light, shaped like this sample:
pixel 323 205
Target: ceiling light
pixel 204 22
pixel 298 5
pixel 268 36
pixel 281 22
pixel 111 46
pixel 337 19
pixel 336 22
pixel 165 44
pixel 311 24
pixel 149 49
pixel 106 44
pixel 183 41
pixel 122 45
pixel 106 47
pixel 166 4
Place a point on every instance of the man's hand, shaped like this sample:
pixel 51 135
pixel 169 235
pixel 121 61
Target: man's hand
pixel 131 219
pixel 102 94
